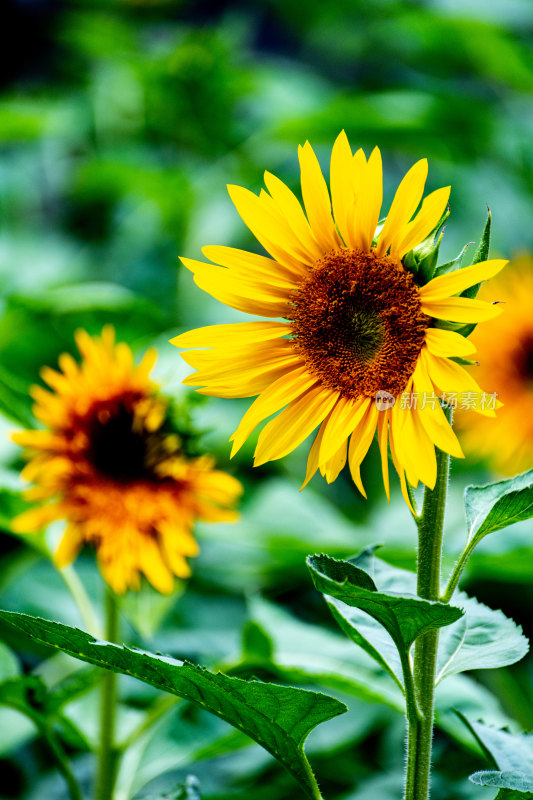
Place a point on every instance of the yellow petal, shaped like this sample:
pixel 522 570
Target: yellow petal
pixel 69 546
pixel 369 200
pixel 342 186
pixel 37 518
pixel 276 396
pixel 421 449
pixel 250 382
pixel 406 201
pixel 383 440
pixel 229 335
pixel 452 379
pixel 456 282
pixel 431 414
pixel 153 566
pixel 360 442
pixel 342 421
pixel 316 200
pixel 399 467
pixel 460 309
pixel 289 206
pixel 249 265
pixel 312 459
pixel 335 464
pixel 289 429
pixel 265 228
pixel 252 298
pixel 448 343
pixel 426 220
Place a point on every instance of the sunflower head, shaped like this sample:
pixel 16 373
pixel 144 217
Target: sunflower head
pixel 108 462
pixel 505 353
pixel 357 310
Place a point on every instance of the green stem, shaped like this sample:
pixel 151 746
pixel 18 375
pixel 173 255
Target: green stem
pixel 158 710
pixel 457 572
pixel 81 598
pixel 107 753
pixel 312 781
pixel 420 732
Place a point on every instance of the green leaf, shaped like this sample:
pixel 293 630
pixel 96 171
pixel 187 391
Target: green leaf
pixel 368 634
pixel 277 717
pixel 511 753
pixel 305 653
pixel 482 639
pixel 495 506
pixel 404 616
pixel 513 794
pixel 517 782
pixel 256 644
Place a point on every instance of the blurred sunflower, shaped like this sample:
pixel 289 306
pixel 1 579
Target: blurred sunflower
pixel 113 468
pixel 357 326
pixel 506 365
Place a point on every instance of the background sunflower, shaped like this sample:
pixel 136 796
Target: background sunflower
pixel 506 360
pixel 120 125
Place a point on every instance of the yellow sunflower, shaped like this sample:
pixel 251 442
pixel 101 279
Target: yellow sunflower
pixel 505 353
pixel 108 463
pixel 354 325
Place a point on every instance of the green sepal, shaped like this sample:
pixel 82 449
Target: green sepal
pixel 279 718
pixel 464 362
pixel 455 263
pixel 421 261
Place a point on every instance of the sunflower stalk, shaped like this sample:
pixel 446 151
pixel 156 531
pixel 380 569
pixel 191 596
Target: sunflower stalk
pixel 107 754
pixel 430 525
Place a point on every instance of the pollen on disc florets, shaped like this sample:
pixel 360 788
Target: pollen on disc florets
pixel 357 321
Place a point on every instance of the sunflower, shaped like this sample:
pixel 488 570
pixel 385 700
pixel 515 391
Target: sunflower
pixel 109 464
pixel 355 325
pixel 506 367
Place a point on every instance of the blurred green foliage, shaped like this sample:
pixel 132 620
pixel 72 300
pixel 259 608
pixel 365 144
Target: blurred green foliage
pixel 120 124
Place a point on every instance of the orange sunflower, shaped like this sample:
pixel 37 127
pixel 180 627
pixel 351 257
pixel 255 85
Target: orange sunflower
pixel 506 366
pixel 355 324
pixel 109 463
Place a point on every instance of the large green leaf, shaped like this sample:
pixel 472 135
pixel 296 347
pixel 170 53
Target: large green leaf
pixel 511 753
pixel 496 505
pixel 404 616
pixel 482 639
pixel 277 717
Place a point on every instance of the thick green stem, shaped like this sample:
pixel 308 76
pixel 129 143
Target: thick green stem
pixel 420 731
pixel 105 778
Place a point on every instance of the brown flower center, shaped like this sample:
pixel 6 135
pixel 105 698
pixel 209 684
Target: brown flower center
pixel 358 323
pixel 524 357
